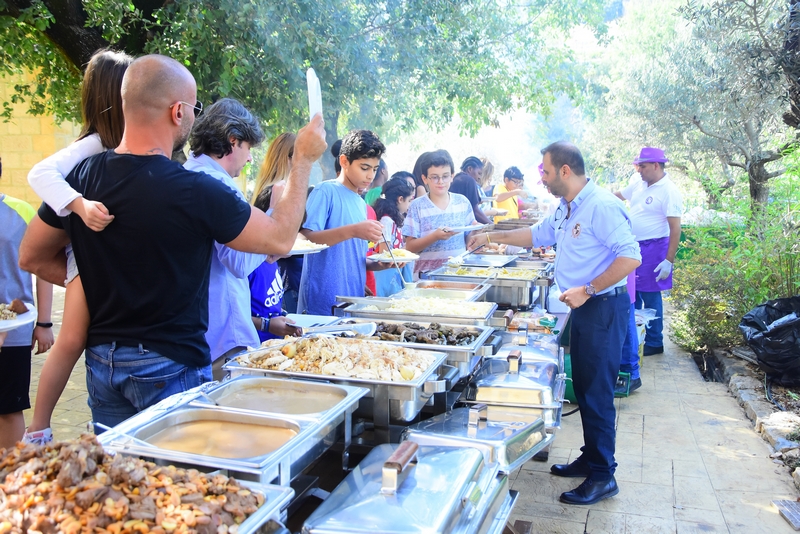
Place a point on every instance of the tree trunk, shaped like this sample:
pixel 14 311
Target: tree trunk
pixel 68 32
pixel 791 64
pixel 759 188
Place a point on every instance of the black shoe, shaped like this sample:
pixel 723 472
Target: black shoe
pixel 576 469
pixel 590 492
pixel 636 383
pixel 650 351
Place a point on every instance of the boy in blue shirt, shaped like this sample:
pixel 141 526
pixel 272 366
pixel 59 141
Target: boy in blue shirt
pixel 337 217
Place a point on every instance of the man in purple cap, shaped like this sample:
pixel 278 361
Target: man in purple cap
pixel 656 207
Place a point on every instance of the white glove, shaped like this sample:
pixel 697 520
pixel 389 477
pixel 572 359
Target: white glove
pixel 663 269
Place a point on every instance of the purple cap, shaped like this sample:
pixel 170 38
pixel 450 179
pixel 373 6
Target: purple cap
pixel 651 155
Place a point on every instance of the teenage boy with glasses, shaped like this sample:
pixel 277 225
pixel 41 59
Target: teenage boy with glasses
pixel 430 217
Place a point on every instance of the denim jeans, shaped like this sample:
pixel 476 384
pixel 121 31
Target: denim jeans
pixel 596 338
pixel 652 299
pixel 123 381
pixel 630 349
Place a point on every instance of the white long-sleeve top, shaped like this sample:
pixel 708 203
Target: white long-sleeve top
pixel 47 178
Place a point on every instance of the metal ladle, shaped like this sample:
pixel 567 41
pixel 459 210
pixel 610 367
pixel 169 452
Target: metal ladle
pixel 406 285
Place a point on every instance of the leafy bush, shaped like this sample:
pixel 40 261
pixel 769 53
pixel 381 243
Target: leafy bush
pixel 726 271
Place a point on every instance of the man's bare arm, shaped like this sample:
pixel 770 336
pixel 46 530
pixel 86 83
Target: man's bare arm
pixel 42 252
pixel 275 234
pixel 674 237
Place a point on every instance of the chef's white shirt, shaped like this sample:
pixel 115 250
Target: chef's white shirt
pixel 650 207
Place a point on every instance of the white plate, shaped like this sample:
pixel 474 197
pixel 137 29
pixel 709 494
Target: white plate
pixel 458 229
pixel 501 212
pixel 304 251
pixel 488 199
pixel 21 320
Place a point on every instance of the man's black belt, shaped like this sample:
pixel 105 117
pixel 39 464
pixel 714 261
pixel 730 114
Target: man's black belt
pixel 615 292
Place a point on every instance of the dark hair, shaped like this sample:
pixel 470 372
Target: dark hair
pixel 219 122
pixel 438 158
pixel 381 168
pixel 565 153
pixel 335 148
pixel 471 161
pixel 404 175
pixel 513 173
pixel 418 166
pixel 386 205
pixel 361 144
pixel 101 97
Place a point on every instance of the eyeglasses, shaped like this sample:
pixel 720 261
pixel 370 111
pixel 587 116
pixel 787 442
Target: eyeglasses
pixel 197 107
pixel 518 181
pixel 443 179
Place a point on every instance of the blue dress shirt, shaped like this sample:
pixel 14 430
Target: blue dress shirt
pixel 597 232
pixel 229 322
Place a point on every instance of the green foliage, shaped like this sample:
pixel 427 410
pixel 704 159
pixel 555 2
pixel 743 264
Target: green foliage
pixel 24 50
pixel 727 270
pixel 389 66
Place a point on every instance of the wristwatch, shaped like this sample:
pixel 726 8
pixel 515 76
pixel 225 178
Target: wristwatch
pixel 590 289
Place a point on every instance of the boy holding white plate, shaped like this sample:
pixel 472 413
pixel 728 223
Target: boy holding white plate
pixel 435 225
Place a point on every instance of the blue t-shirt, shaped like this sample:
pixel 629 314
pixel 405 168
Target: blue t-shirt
pixel 266 294
pixel 340 269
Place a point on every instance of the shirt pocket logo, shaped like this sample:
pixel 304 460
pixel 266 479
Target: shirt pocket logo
pixel 576 230
pixel 648 200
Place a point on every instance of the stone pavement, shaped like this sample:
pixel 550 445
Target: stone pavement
pixel 689 461
pixel 688 458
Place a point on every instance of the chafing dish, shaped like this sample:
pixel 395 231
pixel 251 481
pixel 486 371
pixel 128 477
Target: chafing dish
pixel 507 443
pixel 464 357
pixel 515 390
pixel 385 400
pixel 506 292
pixel 488 260
pixel 273 509
pixel 345 309
pixel 314 432
pixel 404 490
pixel 511 224
pixel 453 294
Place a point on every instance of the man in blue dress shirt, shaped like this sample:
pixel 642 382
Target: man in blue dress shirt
pixel 595 253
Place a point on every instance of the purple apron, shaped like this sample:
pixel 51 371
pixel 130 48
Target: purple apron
pixel 654 251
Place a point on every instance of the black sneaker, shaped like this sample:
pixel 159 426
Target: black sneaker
pixel 651 351
pixel 636 383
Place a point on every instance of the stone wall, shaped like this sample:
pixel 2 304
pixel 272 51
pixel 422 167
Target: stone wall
pixel 26 140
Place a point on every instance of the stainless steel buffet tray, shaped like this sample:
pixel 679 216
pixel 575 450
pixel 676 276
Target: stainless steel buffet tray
pixel 436 490
pixel 358 310
pixel 507 443
pixel 508 292
pixel 400 401
pixel 515 390
pixel 315 431
pixel 274 508
pixel 464 357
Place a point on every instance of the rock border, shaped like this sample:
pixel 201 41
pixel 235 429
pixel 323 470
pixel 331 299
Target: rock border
pixel 769 422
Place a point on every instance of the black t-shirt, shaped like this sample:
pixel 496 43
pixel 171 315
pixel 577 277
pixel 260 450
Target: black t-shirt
pixel 146 275
pixel 464 184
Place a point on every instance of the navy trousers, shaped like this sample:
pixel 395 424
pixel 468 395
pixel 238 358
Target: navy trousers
pixel 598 331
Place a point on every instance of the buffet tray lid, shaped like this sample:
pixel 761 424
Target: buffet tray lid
pixel 436 491
pixel 514 382
pixel 488 260
pixel 509 444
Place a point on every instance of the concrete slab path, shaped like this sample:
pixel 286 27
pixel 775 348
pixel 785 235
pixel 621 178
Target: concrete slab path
pixel 688 458
pixel 689 461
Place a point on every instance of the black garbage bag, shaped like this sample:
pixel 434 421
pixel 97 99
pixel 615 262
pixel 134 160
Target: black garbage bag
pixel 772 330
